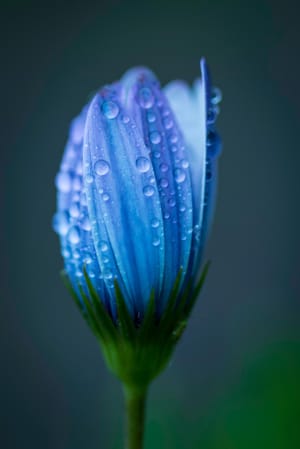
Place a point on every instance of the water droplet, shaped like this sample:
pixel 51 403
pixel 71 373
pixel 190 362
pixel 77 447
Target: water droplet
pixel 173 138
pixel 216 95
pixel 74 235
pixel 151 179
pixel 105 259
pixel 101 167
pixel 156 154
pixel 107 274
pixel 163 183
pixel 86 224
pixel 76 254
pixel 167 215
pixel 105 197
pixel 63 182
pixel 89 179
pixel 88 259
pixel 154 223
pixel 164 167
pixel 148 191
pixel 142 164
pixel 77 184
pixel 60 223
pixel 171 202
pixel 156 241
pixel 66 254
pixel 213 144
pixel 174 148
pixel 125 119
pixel 74 210
pixel 184 163
pixel 145 98
pixel 168 123
pixel 110 109
pixel 103 246
pixel 151 117
pixel 179 175
pixel 155 137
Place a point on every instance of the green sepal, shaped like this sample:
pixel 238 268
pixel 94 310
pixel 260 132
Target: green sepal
pixel 137 352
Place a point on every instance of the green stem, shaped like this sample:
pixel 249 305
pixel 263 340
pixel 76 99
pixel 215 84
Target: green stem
pixel 135 400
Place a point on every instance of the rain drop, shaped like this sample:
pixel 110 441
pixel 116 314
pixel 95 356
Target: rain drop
pixel 63 182
pixel 145 98
pixel 103 246
pixel 142 164
pixel 74 210
pixel 164 167
pixel 60 223
pixel 89 179
pixel 155 137
pixel 148 191
pixel 101 167
pixel 154 223
pixel 179 175
pixel 184 163
pixel 74 235
pixel 163 183
pixel 151 117
pixel 110 109
pixel 86 224
pixel 156 241
pixel 105 197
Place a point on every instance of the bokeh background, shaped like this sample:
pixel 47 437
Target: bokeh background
pixel 234 380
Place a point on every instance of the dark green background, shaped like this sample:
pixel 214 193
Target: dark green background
pixel 234 380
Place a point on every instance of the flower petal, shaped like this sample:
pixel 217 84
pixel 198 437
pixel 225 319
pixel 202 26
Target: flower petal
pixel 123 200
pixel 149 106
pixel 71 221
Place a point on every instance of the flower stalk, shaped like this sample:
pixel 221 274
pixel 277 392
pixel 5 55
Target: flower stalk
pixel 135 405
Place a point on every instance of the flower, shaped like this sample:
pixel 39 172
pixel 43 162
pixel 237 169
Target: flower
pixel 136 189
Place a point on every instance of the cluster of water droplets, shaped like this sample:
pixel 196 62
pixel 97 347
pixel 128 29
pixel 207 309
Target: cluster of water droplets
pixel 170 164
pixel 71 221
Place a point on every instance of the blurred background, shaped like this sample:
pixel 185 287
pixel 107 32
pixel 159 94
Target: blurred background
pixel 233 382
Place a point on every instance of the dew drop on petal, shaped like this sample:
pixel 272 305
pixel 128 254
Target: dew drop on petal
pixel 179 175
pixel 148 190
pixel 110 109
pixel 172 202
pixel 145 98
pixel 74 209
pixel 105 197
pixel 155 137
pixel 163 183
pixel 101 167
pixel 63 182
pixel 184 163
pixel 154 223
pixel 74 235
pixel 142 164
pixel 60 223
pixel 103 246
pixel 164 167
pixel 156 241
pixel 151 117
pixel 216 95
pixel 89 179
pixel 86 224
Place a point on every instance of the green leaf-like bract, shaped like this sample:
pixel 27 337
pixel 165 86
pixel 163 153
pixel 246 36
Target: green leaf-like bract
pixel 136 354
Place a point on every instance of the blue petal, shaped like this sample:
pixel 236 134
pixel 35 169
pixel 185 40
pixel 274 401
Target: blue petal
pixel 163 137
pixel 196 111
pixel 71 221
pixel 123 200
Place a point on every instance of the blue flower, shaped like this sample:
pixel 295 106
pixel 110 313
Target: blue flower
pixel 136 188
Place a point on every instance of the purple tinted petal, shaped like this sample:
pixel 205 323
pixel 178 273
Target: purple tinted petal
pixel 123 199
pixel 149 106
